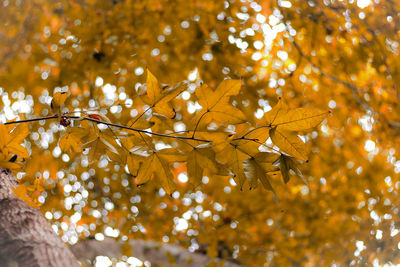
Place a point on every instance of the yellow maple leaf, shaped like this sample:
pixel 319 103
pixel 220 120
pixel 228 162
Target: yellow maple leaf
pixel 255 172
pixel 10 142
pixel 216 105
pixel 158 99
pixel 133 161
pixel 200 160
pixel 299 119
pixel 6 164
pixel 286 164
pixel 289 143
pixel 155 165
pixel 73 139
pixel 58 101
pixel 270 117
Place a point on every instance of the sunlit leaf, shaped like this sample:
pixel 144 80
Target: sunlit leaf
pixel 289 143
pixel 299 119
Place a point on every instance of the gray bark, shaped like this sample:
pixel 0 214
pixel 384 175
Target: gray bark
pixel 26 238
pixel 154 252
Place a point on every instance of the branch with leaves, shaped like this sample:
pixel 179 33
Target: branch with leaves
pixel 242 153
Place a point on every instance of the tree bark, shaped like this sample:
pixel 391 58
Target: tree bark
pixel 26 238
pixel 154 252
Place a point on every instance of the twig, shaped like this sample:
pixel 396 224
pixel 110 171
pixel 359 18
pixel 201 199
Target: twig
pixel 31 120
pixel 142 131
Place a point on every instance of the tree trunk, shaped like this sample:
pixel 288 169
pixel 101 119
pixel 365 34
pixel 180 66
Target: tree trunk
pixel 26 238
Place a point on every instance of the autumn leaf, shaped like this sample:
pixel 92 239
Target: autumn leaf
pixel 299 119
pixel 284 168
pixel 255 172
pixel 289 143
pixel 58 101
pixel 200 160
pixel 159 100
pixel 73 139
pixel 277 110
pixel 98 147
pixel 249 139
pixel 216 105
pixel 5 162
pixel 11 142
pixel 286 164
pixel 156 165
pixel 146 170
pixel 163 174
pixel 153 88
pixel 133 161
pixel 235 163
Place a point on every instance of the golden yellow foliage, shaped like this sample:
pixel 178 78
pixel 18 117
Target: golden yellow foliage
pixel 156 118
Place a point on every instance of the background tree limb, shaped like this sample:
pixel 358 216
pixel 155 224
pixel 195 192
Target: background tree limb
pixel 155 252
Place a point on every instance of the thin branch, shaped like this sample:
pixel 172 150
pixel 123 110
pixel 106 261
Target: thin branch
pixel 32 120
pixel 181 138
pixel 141 131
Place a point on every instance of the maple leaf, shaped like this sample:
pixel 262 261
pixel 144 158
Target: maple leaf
pixel 7 164
pixel 299 119
pixel 234 160
pixel 58 101
pixel 216 105
pixel 255 172
pixel 277 110
pixel 155 165
pixel 73 139
pixel 289 143
pixel 159 100
pixel 286 164
pixel 200 160
pixel 249 139
pixel 98 147
pixel 133 161
pixel 11 142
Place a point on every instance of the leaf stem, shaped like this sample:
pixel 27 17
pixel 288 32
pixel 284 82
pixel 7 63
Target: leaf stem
pixel 198 122
pixel 141 115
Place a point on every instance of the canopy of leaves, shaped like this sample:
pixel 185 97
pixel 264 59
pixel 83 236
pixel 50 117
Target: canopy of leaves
pixel 164 123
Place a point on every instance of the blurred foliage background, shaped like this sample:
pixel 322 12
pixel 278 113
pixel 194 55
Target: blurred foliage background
pixel 330 54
